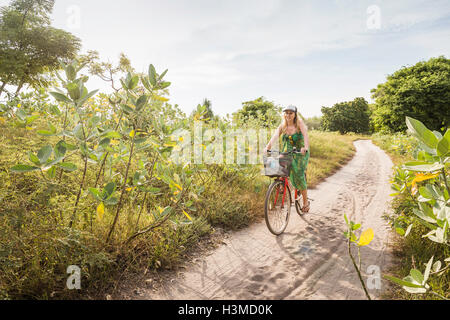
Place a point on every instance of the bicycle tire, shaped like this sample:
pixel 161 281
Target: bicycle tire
pixel 274 213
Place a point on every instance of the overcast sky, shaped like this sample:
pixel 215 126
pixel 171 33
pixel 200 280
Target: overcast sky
pixel 307 53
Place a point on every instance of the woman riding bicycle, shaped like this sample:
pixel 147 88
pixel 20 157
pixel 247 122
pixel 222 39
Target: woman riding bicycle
pixel 295 135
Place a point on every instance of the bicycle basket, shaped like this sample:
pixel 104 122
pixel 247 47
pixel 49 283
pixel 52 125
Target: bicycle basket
pixel 277 166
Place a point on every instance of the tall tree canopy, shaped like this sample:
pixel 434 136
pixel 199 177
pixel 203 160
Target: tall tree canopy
pixel 266 111
pixel 352 116
pixel 421 92
pixel 29 45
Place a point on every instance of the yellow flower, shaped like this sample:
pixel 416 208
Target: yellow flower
pixel 419 178
pixel 366 237
pixel 100 210
pixel 185 213
pixel 178 186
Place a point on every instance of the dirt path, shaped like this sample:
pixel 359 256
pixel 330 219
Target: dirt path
pixel 310 260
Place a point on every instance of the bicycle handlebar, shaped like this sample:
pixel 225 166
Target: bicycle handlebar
pixel 285 153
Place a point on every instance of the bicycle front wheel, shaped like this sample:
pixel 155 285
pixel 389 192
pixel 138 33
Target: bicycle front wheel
pixel 277 207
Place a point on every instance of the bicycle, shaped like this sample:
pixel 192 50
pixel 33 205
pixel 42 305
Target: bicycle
pixel 278 202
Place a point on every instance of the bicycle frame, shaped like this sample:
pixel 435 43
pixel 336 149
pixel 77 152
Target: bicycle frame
pixel 285 182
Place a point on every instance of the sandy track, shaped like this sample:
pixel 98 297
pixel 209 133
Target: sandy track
pixel 310 260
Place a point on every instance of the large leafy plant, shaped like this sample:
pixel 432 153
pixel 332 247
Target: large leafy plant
pixel 425 182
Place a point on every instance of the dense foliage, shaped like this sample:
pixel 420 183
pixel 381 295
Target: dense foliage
pixel 421 209
pixel 421 92
pixel 260 108
pixel 352 116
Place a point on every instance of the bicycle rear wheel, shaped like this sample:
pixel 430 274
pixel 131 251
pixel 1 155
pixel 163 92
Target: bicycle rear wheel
pixel 275 211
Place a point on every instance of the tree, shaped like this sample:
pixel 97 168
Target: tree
pixel 421 92
pixel 29 46
pixel 265 111
pixel 352 116
pixel 313 123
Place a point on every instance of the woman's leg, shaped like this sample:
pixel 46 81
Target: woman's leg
pixel 305 197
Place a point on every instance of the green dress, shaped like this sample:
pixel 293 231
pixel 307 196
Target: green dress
pixel 299 162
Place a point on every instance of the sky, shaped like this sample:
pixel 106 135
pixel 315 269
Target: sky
pixel 306 53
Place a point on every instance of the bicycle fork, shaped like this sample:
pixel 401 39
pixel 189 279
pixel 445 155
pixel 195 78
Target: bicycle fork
pixel 285 180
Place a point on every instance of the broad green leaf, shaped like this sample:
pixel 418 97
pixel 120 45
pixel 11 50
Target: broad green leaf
pixel 428 210
pixel 45 133
pixel 93 121
pixel 66 166
pixel 425 168
pixel 165 85
pixel 95 193
pixel 60 97
pixel 400 231
pixel 424 134
pixel 108 190
pixel 111 201
pixel 152 75
pixel 133 82
pixel 437 134
pixel 51 173
pixel 366 237
pixel 408 230
pixel 422 216
pixel 443 146
pixel 112 135
pixel 105 142
pixel 427 270
pixel 140 103
pixel 78 132
pixel 437 266
pixel 81 101
pixel 33 158
pixel 70 72
pixel 74 90
pixel 163 74
pixel 127 109
pixel 60 148
pixel 45 153
pixel 153 190
pixel 424 192
pixel 21 168
pixel 403 283
pixel 417 276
